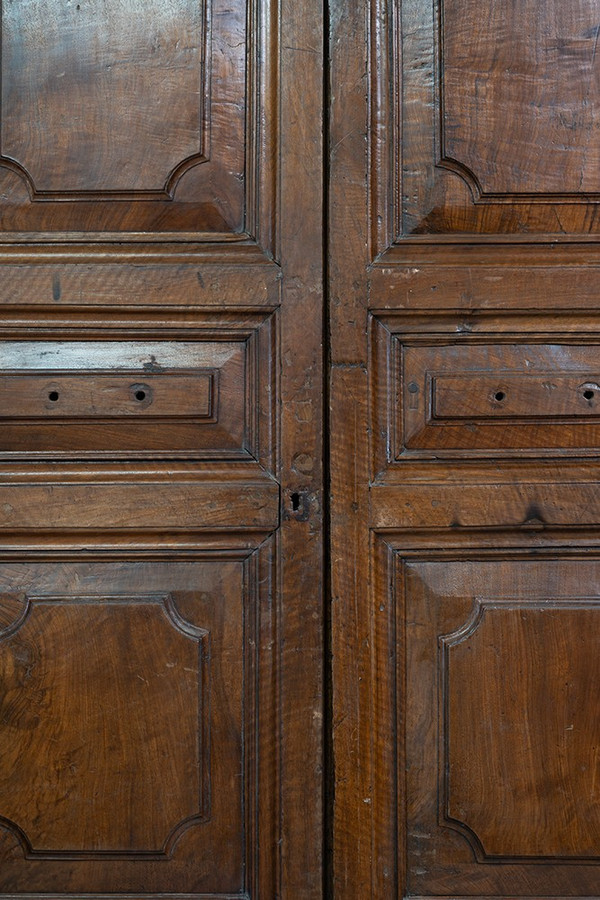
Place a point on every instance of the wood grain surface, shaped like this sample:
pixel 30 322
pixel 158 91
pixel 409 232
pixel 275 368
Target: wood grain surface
pixel 161 406
pixel 463 223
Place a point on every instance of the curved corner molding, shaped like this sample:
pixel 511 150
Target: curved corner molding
pixel 463 171
pixel 87 122
pixel 21 607
pixel 167 192
pixel 491 677
pixel 446 643
pixel 166 851
pixel 475 139
pixel 169 657
pixel 480 196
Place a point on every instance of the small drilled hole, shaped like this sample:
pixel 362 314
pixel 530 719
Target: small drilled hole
pixel 499 396
pixel 140 395
pixel 53 395
pixel 589 395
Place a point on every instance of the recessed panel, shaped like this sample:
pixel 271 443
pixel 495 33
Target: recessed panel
pixel 127 725
pixel 113 99
pixel 121 117
pixel 497 107
pixel 184 397
pixel 83 708
pixel 497 398
pixel 501 715
pixel 534 668
pixel 96 395
pixel 520 95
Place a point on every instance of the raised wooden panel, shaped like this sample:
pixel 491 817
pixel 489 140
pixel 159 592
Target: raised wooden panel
pixel 129 725
pixel 489 126
pixel 71 396
pixel 520 104
pixel 63 126
pixel 82 710
pixel 194 398
pixel 182 394
pixel 498 668
pixel 129 119
pixel 533 667
pixel 499 397
pixel 448 388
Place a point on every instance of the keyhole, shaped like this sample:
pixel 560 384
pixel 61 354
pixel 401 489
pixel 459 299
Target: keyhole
pixel 53 395
pixel 589 395
pixel 499 396
pixel 295 498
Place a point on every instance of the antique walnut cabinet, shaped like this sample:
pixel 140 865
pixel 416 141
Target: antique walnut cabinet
pixel 160 459
pixel 464 268
pixel 267 292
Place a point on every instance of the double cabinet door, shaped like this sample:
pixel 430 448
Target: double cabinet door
pixel 168 724
pixel 160 456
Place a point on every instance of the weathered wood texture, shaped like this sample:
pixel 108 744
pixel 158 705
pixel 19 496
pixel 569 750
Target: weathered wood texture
pixel 161 590
pixel 463 257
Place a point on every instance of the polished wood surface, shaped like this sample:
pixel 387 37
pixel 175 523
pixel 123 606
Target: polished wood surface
pixel 161 590
pixel 114 116
pixel 464 263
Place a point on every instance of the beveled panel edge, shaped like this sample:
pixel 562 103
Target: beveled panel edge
pixel 261 172
pixel 388 244
pixel 389 553
pixel 446 642
pixel 179 324
pixel 392 328
pixel 167 189
pixel 168 247
pixel 202 638
pixel 261 592
pixel 383 129
pixel 256 330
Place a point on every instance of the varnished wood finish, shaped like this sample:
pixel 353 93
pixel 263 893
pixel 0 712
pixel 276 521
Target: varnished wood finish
pixel 84 691
pixel 115 121
pixel 465 505
pixel 161 593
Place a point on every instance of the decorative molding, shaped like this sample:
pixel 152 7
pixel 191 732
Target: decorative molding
pixel 410 352
pixel 61 220
pixel 414 180
pixel 171 896
pixel 476 620
pixel 523 197
pixel 166 193
pixel 237 425
pixel 166 189
pixel 465 172
pixel 122 386
pixel 389 713
pixel 200 637
pixel 259 688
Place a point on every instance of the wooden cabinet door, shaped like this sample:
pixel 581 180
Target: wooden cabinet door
pixel 465 435
pixel 160 449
